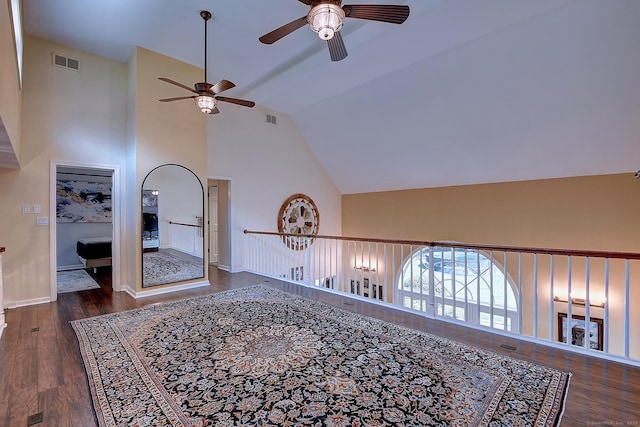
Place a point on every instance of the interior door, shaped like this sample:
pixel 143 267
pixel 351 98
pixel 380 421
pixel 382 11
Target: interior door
pixel 213 224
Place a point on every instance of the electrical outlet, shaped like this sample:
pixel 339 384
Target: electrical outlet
pixel 26 208
pixel 36 209
pixel 42 220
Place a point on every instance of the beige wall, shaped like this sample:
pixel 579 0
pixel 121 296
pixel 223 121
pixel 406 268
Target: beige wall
pixel 106 114
pixel 68 116
pixel 590 213
pixel 10 95
pixel 174 132
pixel 596 212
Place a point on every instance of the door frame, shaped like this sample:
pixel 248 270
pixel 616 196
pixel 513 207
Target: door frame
pixel 230 215
pixel 115 226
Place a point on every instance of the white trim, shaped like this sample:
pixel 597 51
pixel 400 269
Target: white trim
pixel 3 324
pixel 115 224
pixel 165 290
pixel 26 302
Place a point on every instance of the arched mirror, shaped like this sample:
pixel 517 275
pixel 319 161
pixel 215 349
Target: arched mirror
pixel 172 226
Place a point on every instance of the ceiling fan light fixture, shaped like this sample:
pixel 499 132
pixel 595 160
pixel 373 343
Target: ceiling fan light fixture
pixel 326 20
pixel 205 103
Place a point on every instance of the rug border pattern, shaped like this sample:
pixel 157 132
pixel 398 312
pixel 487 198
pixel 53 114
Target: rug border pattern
pixel 552 406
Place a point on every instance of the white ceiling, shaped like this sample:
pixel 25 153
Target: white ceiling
pixel 463 92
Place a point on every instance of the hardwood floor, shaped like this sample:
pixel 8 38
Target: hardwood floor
pixel 41 370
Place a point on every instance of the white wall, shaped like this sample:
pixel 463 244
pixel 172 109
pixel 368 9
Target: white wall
pixel 68 234
pixel 266 164
pixel 180 199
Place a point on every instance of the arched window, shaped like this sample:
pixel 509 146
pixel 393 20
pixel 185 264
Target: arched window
pixel 464 284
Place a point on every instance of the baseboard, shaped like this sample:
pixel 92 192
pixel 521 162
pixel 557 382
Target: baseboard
pixel 26 302
pixel 224 267
pixel 165 290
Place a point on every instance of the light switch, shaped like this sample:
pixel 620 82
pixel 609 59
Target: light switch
pixel 36 209
pixel 42 220
pixel 26 209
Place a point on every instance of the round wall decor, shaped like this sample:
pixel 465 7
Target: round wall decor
pixel 298 215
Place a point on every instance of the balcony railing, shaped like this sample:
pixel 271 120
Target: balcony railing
pixel 527 292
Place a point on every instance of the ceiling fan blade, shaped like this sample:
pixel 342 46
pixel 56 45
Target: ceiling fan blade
pixel 236 101
pixel 215 110
pixel 164 79
pixel 337 49
pixel 395 14
pixel 286 29
pixel 176 99
pixel 221 86
pixel 307 2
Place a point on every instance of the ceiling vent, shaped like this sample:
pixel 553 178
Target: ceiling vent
pixel 64 62
pixel 271 119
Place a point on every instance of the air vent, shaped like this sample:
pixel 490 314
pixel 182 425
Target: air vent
pixel 271 119
pixel 64 62
pixel 508 347
pixel 34 419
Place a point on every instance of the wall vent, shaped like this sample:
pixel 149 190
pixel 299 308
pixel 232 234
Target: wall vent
pixel 271 119
pixel 34 419
pixel 64 62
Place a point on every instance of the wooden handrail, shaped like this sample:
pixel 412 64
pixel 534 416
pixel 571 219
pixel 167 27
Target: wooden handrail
pixel 548 251
pixel 186 225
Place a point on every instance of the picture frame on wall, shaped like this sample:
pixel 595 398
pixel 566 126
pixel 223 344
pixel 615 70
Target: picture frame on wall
pixel 327 282
pixel 355 287
pixel 297 273
pixel 150 198
pixel 83 201
pixel 578 334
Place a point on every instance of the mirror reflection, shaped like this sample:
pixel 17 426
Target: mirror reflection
pixel 172 226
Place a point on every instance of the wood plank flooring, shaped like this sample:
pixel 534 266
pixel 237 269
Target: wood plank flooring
pixel 41 370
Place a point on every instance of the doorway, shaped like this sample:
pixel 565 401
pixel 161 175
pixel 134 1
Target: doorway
pixel 84 220
pixel 219 225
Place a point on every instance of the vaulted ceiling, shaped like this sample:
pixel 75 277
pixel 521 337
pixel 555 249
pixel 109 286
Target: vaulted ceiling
pixel 463 92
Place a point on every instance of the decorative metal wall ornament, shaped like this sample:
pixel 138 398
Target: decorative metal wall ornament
pixel 298 215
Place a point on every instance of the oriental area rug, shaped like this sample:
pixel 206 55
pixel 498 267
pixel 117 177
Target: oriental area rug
pixel 168 267
pixel 74 281
pixel 261 357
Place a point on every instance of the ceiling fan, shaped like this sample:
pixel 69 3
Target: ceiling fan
pixel 326 18
pixel 206 94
